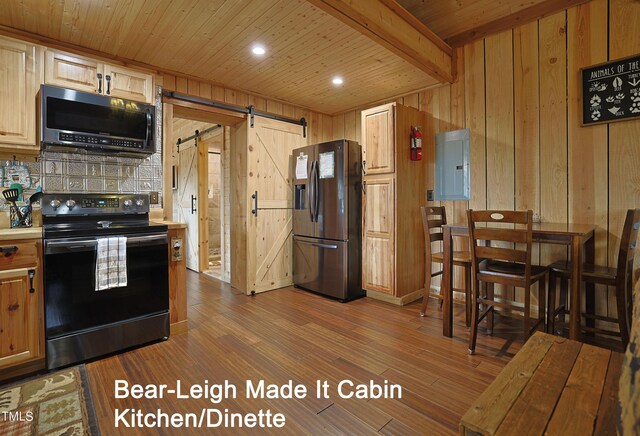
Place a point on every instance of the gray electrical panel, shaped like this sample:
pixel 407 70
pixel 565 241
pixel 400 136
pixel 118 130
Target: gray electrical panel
pixel 453 181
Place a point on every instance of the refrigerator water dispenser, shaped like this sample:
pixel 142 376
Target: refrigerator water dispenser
pixel 299 199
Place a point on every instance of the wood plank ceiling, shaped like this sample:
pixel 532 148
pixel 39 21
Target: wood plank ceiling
pixel 211 39
pixel 448 18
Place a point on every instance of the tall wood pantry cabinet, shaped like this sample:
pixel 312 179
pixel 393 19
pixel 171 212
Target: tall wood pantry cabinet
pixel 395 189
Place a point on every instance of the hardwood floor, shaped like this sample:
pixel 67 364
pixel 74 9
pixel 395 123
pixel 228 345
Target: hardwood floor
pixel 291 334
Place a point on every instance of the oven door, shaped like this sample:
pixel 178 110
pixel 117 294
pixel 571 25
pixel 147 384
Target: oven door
pixel 71 302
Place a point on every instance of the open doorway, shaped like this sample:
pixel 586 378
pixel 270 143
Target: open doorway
pixel 199 193
pixel 256 232
pixel 218 205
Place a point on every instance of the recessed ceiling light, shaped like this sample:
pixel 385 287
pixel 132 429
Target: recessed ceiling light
pixel 337 80
pixel 258 50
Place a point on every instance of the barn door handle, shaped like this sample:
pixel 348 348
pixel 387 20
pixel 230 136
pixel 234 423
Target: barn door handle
pixel 254 196
pixel 193 204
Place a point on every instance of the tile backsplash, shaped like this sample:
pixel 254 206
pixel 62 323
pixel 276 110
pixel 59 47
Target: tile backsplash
pixel 74 172
pixel 79 171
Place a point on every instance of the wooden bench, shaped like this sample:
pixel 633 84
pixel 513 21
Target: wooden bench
pixel 553 385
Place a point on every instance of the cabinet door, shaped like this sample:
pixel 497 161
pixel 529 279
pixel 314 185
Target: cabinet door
pixel 378 136
pixel 69 71
pixel 19 81
pixel 378 251
pixel 128 84
pixel 19 317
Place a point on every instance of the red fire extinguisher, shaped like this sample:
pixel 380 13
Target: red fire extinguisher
pixel 416 143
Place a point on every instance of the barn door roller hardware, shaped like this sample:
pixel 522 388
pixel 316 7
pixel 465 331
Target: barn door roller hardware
pixel 249 110
pixel 196 135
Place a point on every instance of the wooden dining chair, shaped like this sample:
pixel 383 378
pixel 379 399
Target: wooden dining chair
pixel 433 218
pixel 499 265
pixel 622 278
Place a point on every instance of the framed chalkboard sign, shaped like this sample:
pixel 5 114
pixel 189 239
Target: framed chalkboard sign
pixel 611 91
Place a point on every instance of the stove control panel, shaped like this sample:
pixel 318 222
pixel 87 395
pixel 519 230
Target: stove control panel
pixel 94 204
pixel 101 203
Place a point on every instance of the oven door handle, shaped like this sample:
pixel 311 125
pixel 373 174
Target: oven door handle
pixel 147 240
pixel 52 247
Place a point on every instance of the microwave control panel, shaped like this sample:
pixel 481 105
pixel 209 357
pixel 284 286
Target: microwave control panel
pixel 99 140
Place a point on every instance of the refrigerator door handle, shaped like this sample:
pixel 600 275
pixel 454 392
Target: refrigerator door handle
pixel 316 193
pixel 316 244
pixel 310 200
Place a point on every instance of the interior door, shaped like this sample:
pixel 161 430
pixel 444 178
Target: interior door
pixel 185 202
pixel 269 199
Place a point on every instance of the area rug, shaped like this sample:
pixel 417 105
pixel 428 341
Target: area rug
pixel 58 403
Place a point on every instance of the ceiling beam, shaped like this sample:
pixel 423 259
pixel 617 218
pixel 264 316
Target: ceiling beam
pixel 524 16
pixel 390 25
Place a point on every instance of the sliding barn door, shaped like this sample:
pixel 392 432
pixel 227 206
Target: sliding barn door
pixel 185 200
pixel 264 215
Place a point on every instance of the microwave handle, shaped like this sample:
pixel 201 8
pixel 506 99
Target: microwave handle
pixel 149 126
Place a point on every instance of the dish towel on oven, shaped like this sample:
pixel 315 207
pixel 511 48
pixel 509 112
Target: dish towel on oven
pixel 111 263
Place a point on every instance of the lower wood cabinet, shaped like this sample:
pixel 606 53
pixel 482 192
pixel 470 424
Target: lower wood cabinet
pixel 177 280
pixel 378 244
pixel 21 308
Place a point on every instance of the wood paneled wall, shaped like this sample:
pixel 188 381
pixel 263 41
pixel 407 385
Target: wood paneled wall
pixel 519 93
pixel 319 125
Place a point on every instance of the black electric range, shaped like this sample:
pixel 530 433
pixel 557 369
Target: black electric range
pixel 83 322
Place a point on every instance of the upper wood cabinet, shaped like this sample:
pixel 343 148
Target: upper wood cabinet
pixel 76 72
pixel 68 71
pixel 378 148
pixel 21 326
pixel 128 84
pixel 20 77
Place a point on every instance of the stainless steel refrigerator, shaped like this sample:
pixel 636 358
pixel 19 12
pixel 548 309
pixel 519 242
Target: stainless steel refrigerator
pixel 327 220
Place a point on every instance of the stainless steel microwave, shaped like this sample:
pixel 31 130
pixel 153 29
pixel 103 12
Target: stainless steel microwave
pixel 73 119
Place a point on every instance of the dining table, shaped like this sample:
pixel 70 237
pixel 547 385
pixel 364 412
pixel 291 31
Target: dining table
pixel 581 241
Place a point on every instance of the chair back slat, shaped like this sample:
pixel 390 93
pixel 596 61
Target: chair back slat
pixel 436 223
pixel 498 226
pixel 504 254
pixel 436 236
pixel 500 216
pixel 498 234
pixel 626 276
pixel 433 218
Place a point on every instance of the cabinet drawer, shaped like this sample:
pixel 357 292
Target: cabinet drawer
pixel 17 255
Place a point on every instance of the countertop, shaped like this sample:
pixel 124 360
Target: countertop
pixel 170 224
pixel 20 233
